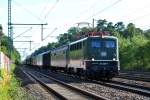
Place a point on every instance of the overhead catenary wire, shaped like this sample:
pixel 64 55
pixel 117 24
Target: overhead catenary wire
pixel 27 10
pixel 139 17
pixel 91 7
pixel 50 10
pixel 23 33
pixel 47 2
pixel 144 7
pixel 54 7
pixel 89 18
pixel 50 33
pixel 84 11
pixel 104 9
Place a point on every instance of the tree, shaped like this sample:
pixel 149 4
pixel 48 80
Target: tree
pixel 147 34
pixel 85 30
pixel 101 25
pixel 119 27
pixel 73 30
pixel 64 38
pixel 1 30
pixel 52 45
pixel 110 27
pixel 15 56
pixel 130 30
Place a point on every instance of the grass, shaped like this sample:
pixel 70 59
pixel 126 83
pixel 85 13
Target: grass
pixel 10 87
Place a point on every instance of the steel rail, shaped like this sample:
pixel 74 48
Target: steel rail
pixel 125 87
pixel 46 87
pixel 86 93
pixel 122 86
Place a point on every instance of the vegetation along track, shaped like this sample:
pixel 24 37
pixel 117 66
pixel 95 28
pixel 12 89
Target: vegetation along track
pixel 63 90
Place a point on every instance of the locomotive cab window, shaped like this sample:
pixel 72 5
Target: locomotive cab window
pixel 83 43
pixel 95 44
pixel 110 44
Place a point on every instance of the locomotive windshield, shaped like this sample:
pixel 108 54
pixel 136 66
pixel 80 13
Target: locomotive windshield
pixel 105 44
pixel 95 44
pixel 110 44
pixel 101 48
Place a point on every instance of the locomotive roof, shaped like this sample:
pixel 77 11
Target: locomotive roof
pixel 110 37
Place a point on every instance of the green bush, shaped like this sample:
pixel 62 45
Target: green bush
pixel 10 88
pixel 134 53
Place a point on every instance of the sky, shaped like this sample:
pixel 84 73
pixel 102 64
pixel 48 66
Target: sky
pixel 60 15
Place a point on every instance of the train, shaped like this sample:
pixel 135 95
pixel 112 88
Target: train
pixel 94 56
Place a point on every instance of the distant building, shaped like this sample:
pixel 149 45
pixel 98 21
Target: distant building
pixel 83 24
pixel 4 62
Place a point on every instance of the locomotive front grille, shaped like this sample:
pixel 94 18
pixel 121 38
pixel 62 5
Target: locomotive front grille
pixel 102 63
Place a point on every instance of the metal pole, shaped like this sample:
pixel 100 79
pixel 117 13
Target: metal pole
pixel 30 45
pixel 41 32
pixel 9 29
pixel 93 23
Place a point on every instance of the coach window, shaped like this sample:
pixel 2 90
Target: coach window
pixel 80 45
pixel 83 43
pixel 72 47
pixel 76 46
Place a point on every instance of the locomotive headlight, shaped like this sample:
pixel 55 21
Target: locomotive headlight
pixel 93 59
pixel 114 58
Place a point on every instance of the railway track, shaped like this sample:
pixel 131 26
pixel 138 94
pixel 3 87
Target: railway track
pixel 63 90
pixel 141 90
pixel 135 76
pixel 109 90
pixel 145 91
pixel 132 85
